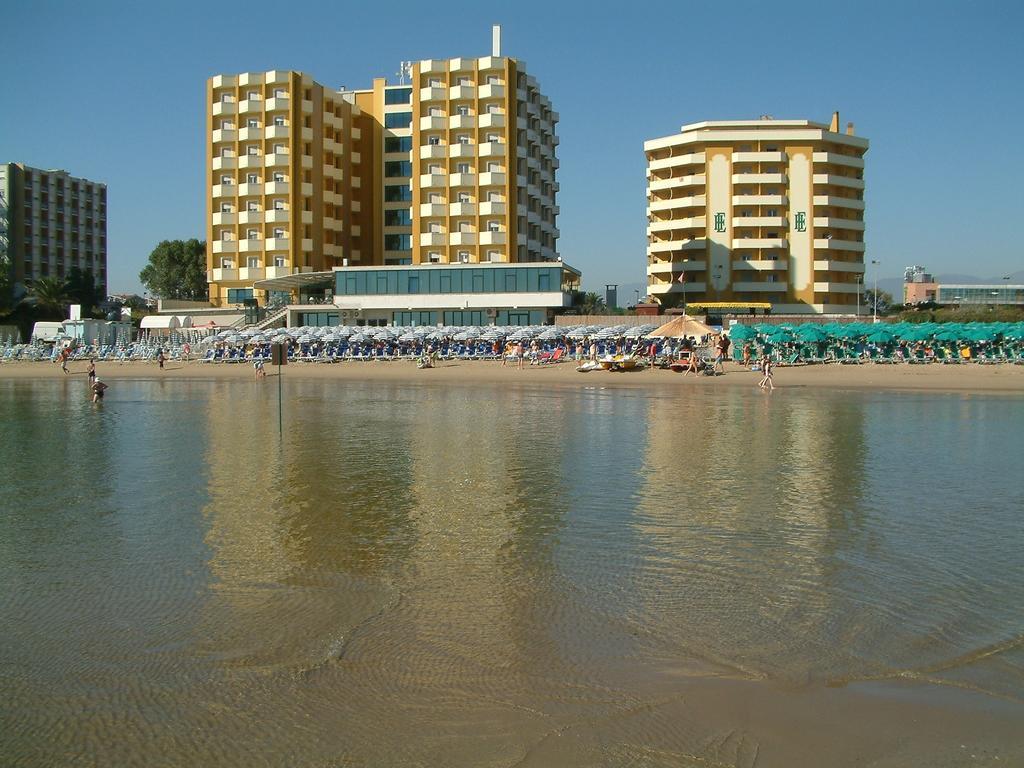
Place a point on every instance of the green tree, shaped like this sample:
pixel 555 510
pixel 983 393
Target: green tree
pixel 177 270
pixel 82 289
pixel 50 297
pixel 591 304
pixel 885 301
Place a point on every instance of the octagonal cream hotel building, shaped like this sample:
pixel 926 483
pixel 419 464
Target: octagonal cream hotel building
pixel 757 211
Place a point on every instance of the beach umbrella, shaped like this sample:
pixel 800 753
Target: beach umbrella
pixel 742 332
pixel 681 326
pixel 811 332
pixel 916 334
pixel 880 336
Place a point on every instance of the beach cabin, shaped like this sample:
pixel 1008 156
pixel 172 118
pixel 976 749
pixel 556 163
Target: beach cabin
pixel 160 324
pixel 47 330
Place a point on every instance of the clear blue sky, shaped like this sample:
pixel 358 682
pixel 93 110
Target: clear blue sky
pixel 115 92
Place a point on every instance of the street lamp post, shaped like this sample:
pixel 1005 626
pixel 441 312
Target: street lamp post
pixel 859 278
pixel 874 314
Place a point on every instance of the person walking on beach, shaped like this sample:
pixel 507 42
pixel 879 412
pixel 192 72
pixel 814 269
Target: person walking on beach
pixel 767 368
pixel 97 390
pixel 64 355
pixel 520 353
pixel 160 357
pixel 186 351
pixel 92 371
pixel 718 366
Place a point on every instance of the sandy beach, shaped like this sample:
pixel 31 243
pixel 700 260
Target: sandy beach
pixel 1007 379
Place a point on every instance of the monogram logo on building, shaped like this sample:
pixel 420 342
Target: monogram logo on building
pixel 801 221
pixel 719 222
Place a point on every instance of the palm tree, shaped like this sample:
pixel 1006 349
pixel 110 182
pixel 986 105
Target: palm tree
pixel 591 304
pixel 50 295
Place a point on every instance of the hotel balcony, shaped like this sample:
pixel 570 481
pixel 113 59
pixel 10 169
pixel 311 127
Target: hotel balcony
pixel 833 201
pixel 307 161
pixel 461 65
pixel 224 134
pixel 660 289
pixel 333 198
pixel 334 251
pixel 485 63
pixel 762 265
pixel 250 273
pixel 225 246
pixel 306 243
pixel 833 158
pixel 462 92
pixel 435 210
pixel 837 288
pixel 272 272
pixel 462 121
pixel 833 180
pixel 277 243
pixel 671 246
pixel 331 145
pixel 462 209
pixel 275 216
pixel 333 224
pixel 492 149
pixel 250 78
pixel 277 188
pixel 250 134
pixel 492 179
pixel 222 275
pixel 275 132
pixel 835 244
pixel 831 265
pixel 306 189
pixel 225 163
pixel 492 91
pixel 333 173
pixel 694 158
pixel 462 238
pixel 275 160
pixel 250 161
pixel 462 150
pixel 433 239
pixel 462 180
pixel 831 222
pixel 759 221
pixel 250 106
pixel 668 225
pixel 759 178
pixel 432 66
pixel 250 217
pixel 223 218
pixel 488 237
pixel 677 182
pixel 223 190
pixel 695 201
pixel 307 134
pixel 433 123
pixel 248 190
pixel 225 81
pixel 759 287
pixel 489 208
pixel 250 245
pixel 224 108
pixel 332 120
pixel 276 77
pixel 659 266
pixel 759 200
pixel 433 181
pixel 307 217
pixel 278 104
pixel 307 107
pixel 746 243
pixel 433 151
pixel 433 93
pixel 759 157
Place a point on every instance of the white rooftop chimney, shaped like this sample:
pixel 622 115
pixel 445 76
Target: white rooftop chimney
pixel 496 40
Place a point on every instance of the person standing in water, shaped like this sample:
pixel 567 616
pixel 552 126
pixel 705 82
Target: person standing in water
pixel 97 390
pixel 92 371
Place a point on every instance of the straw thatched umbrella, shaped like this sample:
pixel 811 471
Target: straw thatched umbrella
pixel 684 325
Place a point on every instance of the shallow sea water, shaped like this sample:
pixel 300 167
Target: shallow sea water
pixel 474 576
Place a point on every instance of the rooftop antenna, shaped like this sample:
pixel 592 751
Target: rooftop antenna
pixel 404 71
pixel 496 40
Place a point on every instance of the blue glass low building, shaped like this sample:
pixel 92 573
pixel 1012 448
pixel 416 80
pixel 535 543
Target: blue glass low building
pixel 429 294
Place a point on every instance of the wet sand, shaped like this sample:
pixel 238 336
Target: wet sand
pixel 1007 379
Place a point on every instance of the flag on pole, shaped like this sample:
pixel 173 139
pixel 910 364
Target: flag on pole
pixel 681 278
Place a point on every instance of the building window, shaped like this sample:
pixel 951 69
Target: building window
pixel 464 257
pixel 280 261
pixel 278 176
pixel 462 110
pixel 279 204
pixel 254 262
pixel 252 122
pixel 279 121
pixel 225 236
pixel 493 226
pixel 463 168
pixel 252 178
pixel 397 217
pixel 397 242
pixel 253 95
pixel 398 119
pixel 279 232
pixel 464 138
pixel 396 193
pixel 239 295
pixel 398 96
pixel 397 168
pixel 252 205
pixel 253 234
pixel 435 257
pixel 464 197
pixel 227 263
pixel 225 207
pixel 399 143
pixel 227 180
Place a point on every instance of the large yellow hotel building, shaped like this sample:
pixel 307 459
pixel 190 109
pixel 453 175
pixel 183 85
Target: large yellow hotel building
pixel 455 166
pixel 757 211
